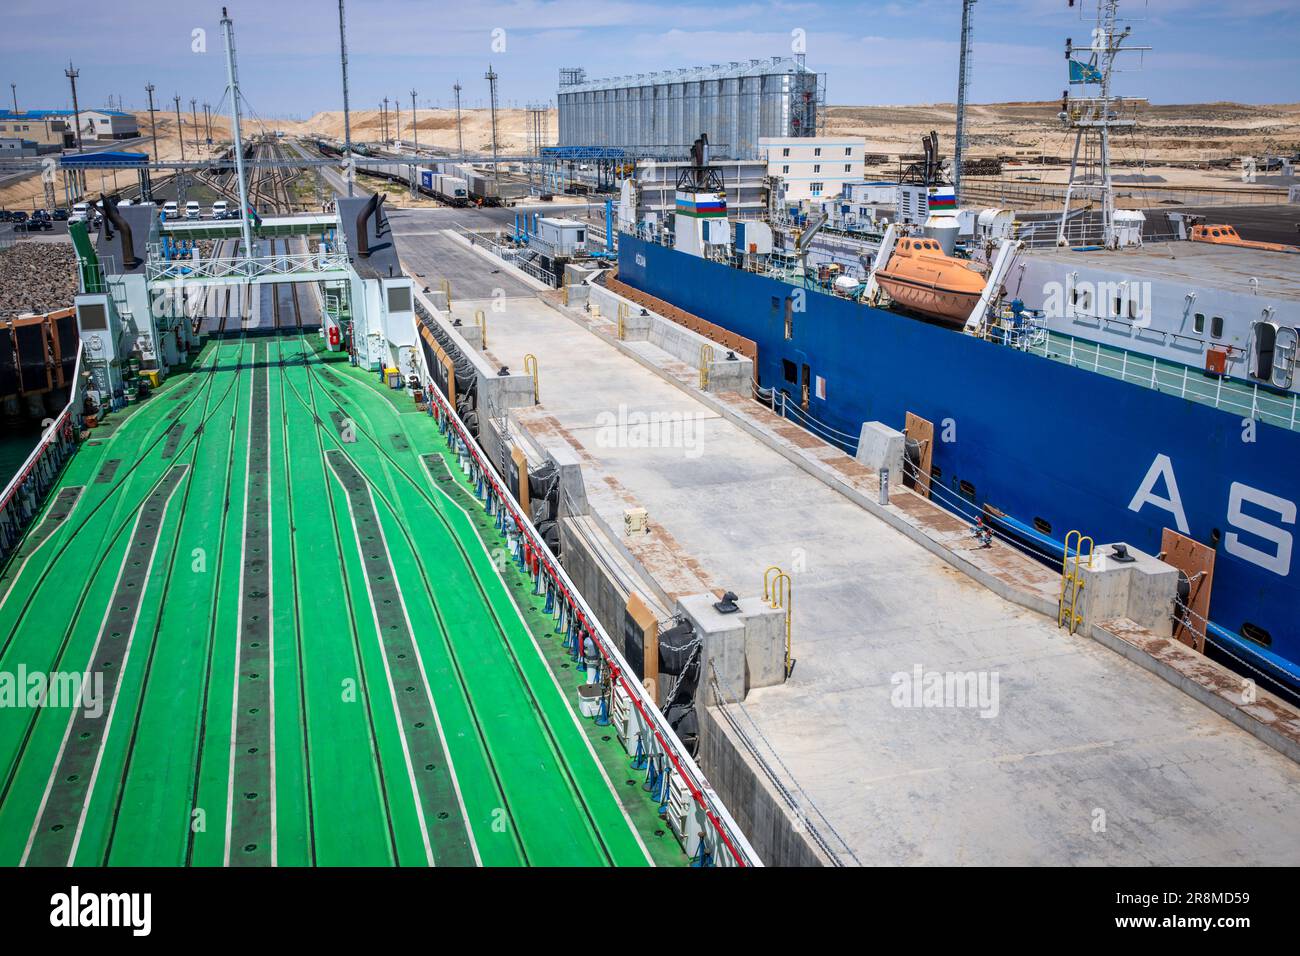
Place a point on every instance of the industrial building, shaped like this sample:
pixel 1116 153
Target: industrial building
pixel 38 127
pixel 17 146
pixel 813 167
pixel 660 114
pixel 56 127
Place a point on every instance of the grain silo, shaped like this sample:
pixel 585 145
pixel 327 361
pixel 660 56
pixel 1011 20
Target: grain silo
pixel 660 114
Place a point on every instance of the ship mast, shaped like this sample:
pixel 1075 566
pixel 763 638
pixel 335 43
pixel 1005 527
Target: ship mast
pixel 1092 115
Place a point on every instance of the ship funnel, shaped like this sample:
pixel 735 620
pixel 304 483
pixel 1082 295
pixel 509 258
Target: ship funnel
pixel 129 259
pixel 373 207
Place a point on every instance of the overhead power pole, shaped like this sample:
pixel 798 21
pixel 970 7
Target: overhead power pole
pixel 460 141
pixel 415 120
pixel 180 128
pixel 232 79
pixel 153 122
pixel 397 123
pixel 347 122
pixel 72 75
pixel 13 88
pixel 194 118
pixel 491 77
pixel 385 119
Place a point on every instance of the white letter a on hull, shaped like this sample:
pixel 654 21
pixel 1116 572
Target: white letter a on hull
pixel 1162 467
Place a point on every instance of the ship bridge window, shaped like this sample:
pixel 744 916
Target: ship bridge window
pixel 1216 327
pixel 1082 299
pixel 1198 323
pixel 790 371
pixel 966 488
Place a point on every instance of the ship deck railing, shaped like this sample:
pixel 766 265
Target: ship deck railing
pixel 281 266
pixel 1223 392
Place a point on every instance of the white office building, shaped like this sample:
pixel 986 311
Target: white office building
pixel 815 167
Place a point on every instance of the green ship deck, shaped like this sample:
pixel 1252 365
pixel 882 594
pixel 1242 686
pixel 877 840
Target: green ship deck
pixel 313 649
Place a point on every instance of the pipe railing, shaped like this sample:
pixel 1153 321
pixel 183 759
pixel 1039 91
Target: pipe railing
pixel 726 832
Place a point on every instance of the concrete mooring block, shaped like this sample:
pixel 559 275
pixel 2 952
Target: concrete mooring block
pixel 880 446
pixel 1142 589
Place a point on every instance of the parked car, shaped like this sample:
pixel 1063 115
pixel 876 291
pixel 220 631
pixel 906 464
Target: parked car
pixel 60 215
pixel 19 216
pixel 35 224
pixel 6 215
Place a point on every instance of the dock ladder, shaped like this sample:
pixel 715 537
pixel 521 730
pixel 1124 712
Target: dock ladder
pixel 1077 558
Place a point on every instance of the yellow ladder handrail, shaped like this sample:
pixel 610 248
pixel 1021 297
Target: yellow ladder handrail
pixel 622 320
pixel 480 319
pixel 767 588
pixel 783 597
pixel 530 368
pixel 706 356
pixel 446 290
pixel 1081 547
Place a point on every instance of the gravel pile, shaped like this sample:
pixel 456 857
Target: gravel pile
pixel 37 277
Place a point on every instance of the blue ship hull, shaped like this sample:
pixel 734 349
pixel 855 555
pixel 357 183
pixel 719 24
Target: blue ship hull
pixel 1033 438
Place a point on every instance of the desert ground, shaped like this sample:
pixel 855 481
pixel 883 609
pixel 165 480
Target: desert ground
pixel 1176 142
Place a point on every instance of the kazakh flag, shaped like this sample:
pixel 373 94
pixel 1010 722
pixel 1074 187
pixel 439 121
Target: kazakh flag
pixel 1081 72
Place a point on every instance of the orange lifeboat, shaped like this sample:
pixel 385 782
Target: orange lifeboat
pixel 1227 236
pixel 918 276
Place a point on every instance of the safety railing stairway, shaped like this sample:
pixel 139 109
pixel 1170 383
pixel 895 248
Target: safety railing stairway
pixel 511 254
pixel 22 499
pixel 657 740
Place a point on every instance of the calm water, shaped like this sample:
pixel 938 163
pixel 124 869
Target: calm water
pixel 16 443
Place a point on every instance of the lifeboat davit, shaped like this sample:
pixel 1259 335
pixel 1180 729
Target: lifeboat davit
pixel 1227 236
pixel 919 277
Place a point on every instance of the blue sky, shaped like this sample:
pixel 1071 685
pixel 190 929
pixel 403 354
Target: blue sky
pixel 872 52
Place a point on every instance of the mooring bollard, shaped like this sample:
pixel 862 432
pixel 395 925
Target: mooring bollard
pixel 884 486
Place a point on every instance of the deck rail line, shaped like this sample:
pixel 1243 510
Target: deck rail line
pixel 1173 378
pixel 392 505
pixel 725 828
pixel 23 497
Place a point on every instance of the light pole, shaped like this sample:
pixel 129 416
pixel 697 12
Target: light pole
pixel 72 75
pixel 153 124
pixel 347 123
pixel 491 77
pixel 460 142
